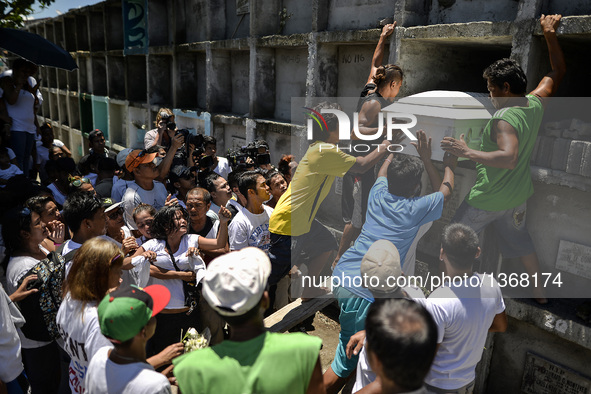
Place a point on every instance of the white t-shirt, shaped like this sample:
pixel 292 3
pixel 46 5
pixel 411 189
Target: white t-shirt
pixel 193 263
pixel 32 82
pixel 119 188
pixel 105 376
pixel 69 245
pixel 18 266
pixel 134 195
pixel 79 327
pixel 463 315
pixel 22 112
pixel 43 152
pixel 58 196
pixel 9 173
pixel 248 229
pixel 213 232
pixel 11 364
pixel 223 168
pixel 215 209
pixel 11 154
pixel 364 374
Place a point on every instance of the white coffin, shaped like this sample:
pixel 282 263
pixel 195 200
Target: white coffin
pixel 444 113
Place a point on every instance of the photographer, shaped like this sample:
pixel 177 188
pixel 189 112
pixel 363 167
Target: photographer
pixel 255 154
pixel 158 136
pixel 220 164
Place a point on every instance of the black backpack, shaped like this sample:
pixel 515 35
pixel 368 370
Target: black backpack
pixel 40 309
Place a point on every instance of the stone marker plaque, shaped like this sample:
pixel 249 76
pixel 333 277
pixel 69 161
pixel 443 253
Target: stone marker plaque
pixel 544 377
pixel 574 258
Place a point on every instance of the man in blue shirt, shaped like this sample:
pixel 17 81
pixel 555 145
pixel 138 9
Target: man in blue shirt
pixel 394 213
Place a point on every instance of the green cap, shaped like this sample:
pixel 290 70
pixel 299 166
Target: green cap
pixel 124 312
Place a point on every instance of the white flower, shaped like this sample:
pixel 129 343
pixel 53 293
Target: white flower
pixel 194 341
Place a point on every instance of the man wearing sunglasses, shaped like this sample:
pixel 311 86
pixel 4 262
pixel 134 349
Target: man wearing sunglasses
pixel 144 188
pixel 182 178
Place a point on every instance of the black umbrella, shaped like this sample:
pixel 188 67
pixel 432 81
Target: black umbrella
pixel 36 49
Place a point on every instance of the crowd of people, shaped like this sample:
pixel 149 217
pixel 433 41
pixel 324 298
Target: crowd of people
pixel 111 259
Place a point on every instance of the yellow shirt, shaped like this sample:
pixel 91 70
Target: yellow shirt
pixel 310 185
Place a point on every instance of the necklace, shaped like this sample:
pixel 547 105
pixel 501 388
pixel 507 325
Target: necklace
pixel 133 359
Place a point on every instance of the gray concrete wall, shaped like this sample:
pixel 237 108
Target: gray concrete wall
pixel 509 354
pixel 299 16
pixel 239 75
pixel 558 213
pixel 458 11
pixel 356 14
pixel 437 65
pixel 290 79
pixel 354 64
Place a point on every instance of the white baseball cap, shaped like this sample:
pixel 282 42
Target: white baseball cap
pixel 382 261
pixel 234 283
pixel 121 156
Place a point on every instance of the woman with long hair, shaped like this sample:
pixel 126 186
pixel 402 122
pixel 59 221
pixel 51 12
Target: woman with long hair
pixel 176 251
pixel 23 232
pixel 96 269
pixel 47 209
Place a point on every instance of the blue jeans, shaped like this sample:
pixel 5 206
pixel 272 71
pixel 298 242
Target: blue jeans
pixel 22 145
pixel 352 318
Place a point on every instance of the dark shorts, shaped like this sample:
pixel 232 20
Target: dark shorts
pixel 285 250
pixel 514 239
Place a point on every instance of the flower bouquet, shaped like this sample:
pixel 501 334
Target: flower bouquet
pixel 195 341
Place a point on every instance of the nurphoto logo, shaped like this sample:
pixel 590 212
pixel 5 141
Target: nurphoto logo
pixel 345 129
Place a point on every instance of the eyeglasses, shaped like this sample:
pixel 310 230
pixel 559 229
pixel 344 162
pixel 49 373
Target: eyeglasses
pixel 77 181
pixel 116 214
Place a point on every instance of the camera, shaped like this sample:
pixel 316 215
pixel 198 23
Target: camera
pixel 239 157
pixel 184 132
pixel 200 160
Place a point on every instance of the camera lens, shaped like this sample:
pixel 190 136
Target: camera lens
pixel 171 126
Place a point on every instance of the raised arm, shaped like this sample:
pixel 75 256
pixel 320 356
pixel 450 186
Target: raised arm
pixel 378 54
pixel 364 163
pixel 164 167
pixel 222 239
pixel 445 185
pixel 549 84
pixel 423 147
pixel 505 157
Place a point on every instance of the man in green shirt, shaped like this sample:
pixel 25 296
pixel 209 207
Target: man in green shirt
pixel 503 182
pixel 251 360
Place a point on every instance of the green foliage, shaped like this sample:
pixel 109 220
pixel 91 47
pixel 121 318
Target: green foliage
pixel 13 12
